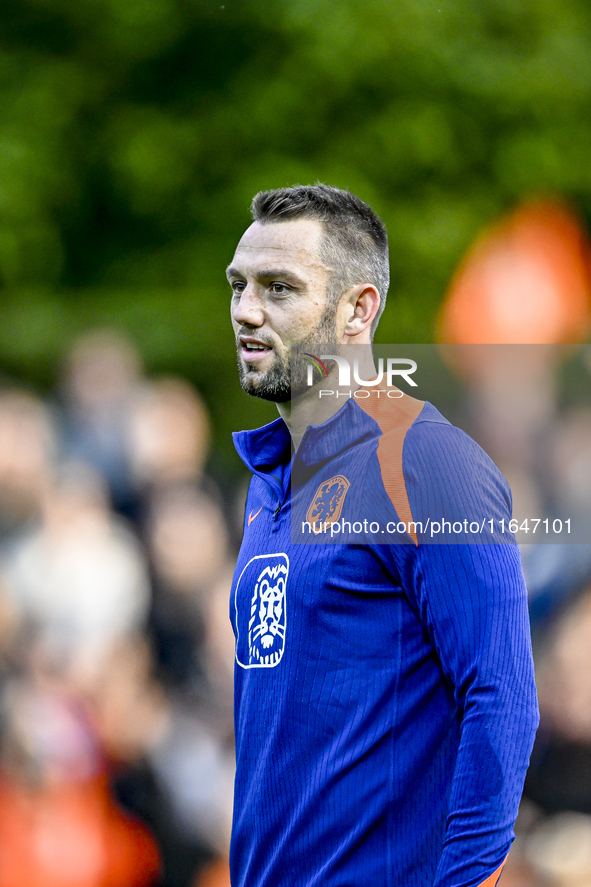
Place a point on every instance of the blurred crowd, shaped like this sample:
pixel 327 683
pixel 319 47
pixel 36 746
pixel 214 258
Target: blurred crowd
pixel 116 652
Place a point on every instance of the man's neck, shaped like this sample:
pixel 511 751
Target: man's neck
pixel 309 409
pixel 314 408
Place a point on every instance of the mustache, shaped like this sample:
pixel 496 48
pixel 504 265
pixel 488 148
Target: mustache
pixel 248 334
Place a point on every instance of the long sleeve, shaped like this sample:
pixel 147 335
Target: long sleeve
pixel 472 600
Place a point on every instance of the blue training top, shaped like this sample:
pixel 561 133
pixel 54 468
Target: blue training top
pixel 385 706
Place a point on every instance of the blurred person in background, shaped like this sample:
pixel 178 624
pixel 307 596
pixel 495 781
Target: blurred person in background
pixel 168 435
pixel 59 825
pixel 99 381
pixel 560 772
pixel 170 766
pixel 188 770
pixel 79 575
pixel 187 541
pixel 559 778
pixel 28 450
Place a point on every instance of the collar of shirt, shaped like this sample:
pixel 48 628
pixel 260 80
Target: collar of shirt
pixel 264 449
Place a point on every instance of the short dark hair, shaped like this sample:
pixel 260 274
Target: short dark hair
pixel 355 243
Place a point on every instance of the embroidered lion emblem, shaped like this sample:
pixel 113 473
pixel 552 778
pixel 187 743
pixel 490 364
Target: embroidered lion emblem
pixel 327 504
pixel 260 598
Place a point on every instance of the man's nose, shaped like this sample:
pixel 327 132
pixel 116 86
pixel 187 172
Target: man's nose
pixel 248 309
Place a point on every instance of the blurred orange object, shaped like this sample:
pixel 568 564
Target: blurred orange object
pixel 215 874
pixel 526 280
pixel 71 836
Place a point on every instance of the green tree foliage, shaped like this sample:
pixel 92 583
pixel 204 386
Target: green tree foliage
pixel 133 134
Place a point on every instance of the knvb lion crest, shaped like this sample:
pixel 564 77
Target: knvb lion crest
pixel 327 504
pixel 260 611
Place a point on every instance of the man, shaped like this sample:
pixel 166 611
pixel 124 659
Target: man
pixel 385 705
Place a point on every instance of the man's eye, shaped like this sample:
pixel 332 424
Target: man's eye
pixel 238 287
pixel 279 289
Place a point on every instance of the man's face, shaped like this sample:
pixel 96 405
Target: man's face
pixel 279 300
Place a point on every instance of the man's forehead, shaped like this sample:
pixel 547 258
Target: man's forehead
pixel 295 241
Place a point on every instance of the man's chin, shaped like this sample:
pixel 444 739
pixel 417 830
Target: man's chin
pixel 267 386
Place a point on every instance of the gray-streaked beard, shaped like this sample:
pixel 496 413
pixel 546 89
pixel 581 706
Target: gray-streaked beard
pixel 287 379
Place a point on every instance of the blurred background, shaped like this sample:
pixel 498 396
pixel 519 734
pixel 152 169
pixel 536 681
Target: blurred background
pixel 133 135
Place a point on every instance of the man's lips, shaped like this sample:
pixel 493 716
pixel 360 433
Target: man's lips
pixel 253 350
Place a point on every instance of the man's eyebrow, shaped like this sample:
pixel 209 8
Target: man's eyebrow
pixel 281 273
pixel 268 274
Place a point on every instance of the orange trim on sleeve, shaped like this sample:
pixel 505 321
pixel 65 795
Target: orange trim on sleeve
pixel 492 880
pixel 394 416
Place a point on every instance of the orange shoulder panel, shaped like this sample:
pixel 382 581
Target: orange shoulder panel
pixel 394 416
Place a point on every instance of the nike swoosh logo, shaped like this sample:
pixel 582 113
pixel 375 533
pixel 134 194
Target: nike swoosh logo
pixel 252 516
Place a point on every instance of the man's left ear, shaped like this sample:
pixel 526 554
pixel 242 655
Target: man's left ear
pixel 363 304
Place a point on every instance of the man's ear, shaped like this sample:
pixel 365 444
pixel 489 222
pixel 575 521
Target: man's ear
pixel 361 305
